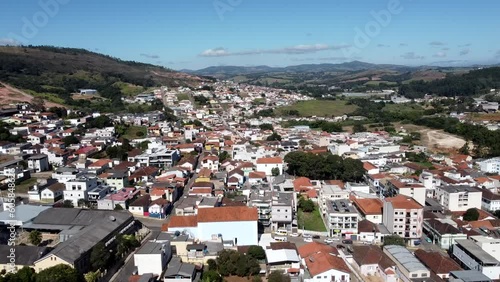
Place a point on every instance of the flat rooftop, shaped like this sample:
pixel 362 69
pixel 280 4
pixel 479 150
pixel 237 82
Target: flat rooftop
pixel 476 251
pixel 150 248
pixel 340 206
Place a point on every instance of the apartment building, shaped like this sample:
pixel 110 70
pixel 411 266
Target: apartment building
pixel 413 190
pixel 157 157
pixel 459 197
pixel 342 218
pixel 282 210
pixel 403 216
pixel 490 165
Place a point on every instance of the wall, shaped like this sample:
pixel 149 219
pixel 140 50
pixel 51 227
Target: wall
pixel 246 232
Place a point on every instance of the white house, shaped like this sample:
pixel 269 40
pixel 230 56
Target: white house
pixel 153 257
pixel 78 188
pixel 490 201
pixel 324 263
pixel 238 224
pixel 459 197
pixel 490 165
pixel 38 163
pixel 267 164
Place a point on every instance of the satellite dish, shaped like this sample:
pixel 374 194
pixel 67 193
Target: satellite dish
pixel 112 218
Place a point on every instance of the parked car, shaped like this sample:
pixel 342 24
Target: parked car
pixel 428 240
pixel 417 242
pixel 308 239
pixel 294 234
pixel 347 241
pixel 329 240
pixel 316 237
pixel 305 235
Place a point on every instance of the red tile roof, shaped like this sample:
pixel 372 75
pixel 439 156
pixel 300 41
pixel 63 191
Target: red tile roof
pixel 270 160
pixel 369 206
pixel 225 214
pixel 403 202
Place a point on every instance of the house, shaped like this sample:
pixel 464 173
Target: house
pixel 25 256
pixel 283 206
pixel 459 197
pixel 52 193
pixel 143 174
pixel 178 271
pixel 78 188
pixel 283 257
pixel 408 267
pixel 370 168
pixel 442 232
pixel 238 224
pixel 159 208
pixel 121 197
pixel 369 209
pixel 152 257
pixel 323 263
pixel 257 177
pixel 369 260
pixel 403 216
pixel 235 177
pixel 370 232
pixel 211 162
pixel 141 205
pixel 437 263
pixel 38 163
pixel 267 164
pixel 490 201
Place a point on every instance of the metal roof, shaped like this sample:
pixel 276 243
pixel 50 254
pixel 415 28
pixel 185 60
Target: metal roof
pixel 283 255
pixel 476 251
pixel 405 258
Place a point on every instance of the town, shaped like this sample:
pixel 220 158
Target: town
pixel 211 186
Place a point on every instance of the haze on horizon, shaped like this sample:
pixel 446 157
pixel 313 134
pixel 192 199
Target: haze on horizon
pixel 193 34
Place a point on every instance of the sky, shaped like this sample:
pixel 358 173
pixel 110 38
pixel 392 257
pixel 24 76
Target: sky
pixel 193 34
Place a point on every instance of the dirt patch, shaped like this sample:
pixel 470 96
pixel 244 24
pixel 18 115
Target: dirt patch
pixel 9 94
pixel 438 140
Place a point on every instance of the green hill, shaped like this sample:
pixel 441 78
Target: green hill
pixel 55 72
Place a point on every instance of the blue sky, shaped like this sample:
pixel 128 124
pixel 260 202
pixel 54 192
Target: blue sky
pixel 199 33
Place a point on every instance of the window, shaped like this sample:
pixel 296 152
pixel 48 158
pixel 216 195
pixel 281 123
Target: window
pixel 424 274
pixel 414 275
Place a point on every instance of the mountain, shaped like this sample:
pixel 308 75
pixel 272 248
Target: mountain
pixel 54 73
pixel 229 71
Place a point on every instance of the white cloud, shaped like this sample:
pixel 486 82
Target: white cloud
pixel 9 42
pixel 439 55
pixel 411 56
pixel 298 49
pixel 464 52
pixel 437 43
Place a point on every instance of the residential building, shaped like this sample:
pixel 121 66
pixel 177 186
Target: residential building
pixel 283 257
pixel 25 256
pixel 369 260
pixel 403 216
pixel 323 263
pixel 157 157
pixel 490 165
pixel 413 190
pixel 178 271
pixel 121 197
pixel 38 163
pixel 459 197
pixel 369 209
pixel 78 188
pixel 408 267
pixel 472 256
pixel 443 232
pixel 267 164
pixel 490 201
pixel 237 224
pixel 152 257
pixel 64 174
pixel 282 209
pixel 342 218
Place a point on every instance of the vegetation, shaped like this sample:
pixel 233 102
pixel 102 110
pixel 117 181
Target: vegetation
pixel 58 273
pixel 35 237
pixel 311 220
pixel 70 140
pixel 306 205
pixel 266 126
pixel 68 204
pixel 274 137
pixel 394 240
pixel 275 171
pixel 324 166
pixel 99 257
pixel 278 276
pixel 231 262
pixel 224 155
pixel 471 214
pixel 256 252
pixel 323 125
pixel 324 108
pixel 469 84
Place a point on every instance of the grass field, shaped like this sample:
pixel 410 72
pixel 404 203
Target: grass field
pixel 132 132
pixel 24 186
pixel 311 220
pixel 485 117
pixel 402 108
pixel 182 96
pixel 377 82
pixel 320 108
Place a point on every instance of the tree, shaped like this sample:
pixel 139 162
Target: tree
pixel 358 127
pixel 394 240
pixel 275 171
pixel 35 237
pixel 306 205
pixel 99 256
pixel 58 273
pixel 92 276
pixel 256 252
pixel 224 155
pixel 70 140
pixel 256 278
pixel 278 276
pixel 212 264
pixel 471 214
pixel 26 274
pixel 266 126
pixel 211 276
pixel 274 137
pixel 68 204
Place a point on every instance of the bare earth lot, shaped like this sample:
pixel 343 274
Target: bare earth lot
pixel 438 139
pixel 10 94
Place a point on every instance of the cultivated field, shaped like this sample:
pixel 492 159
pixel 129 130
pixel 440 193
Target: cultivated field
pixel 323 108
